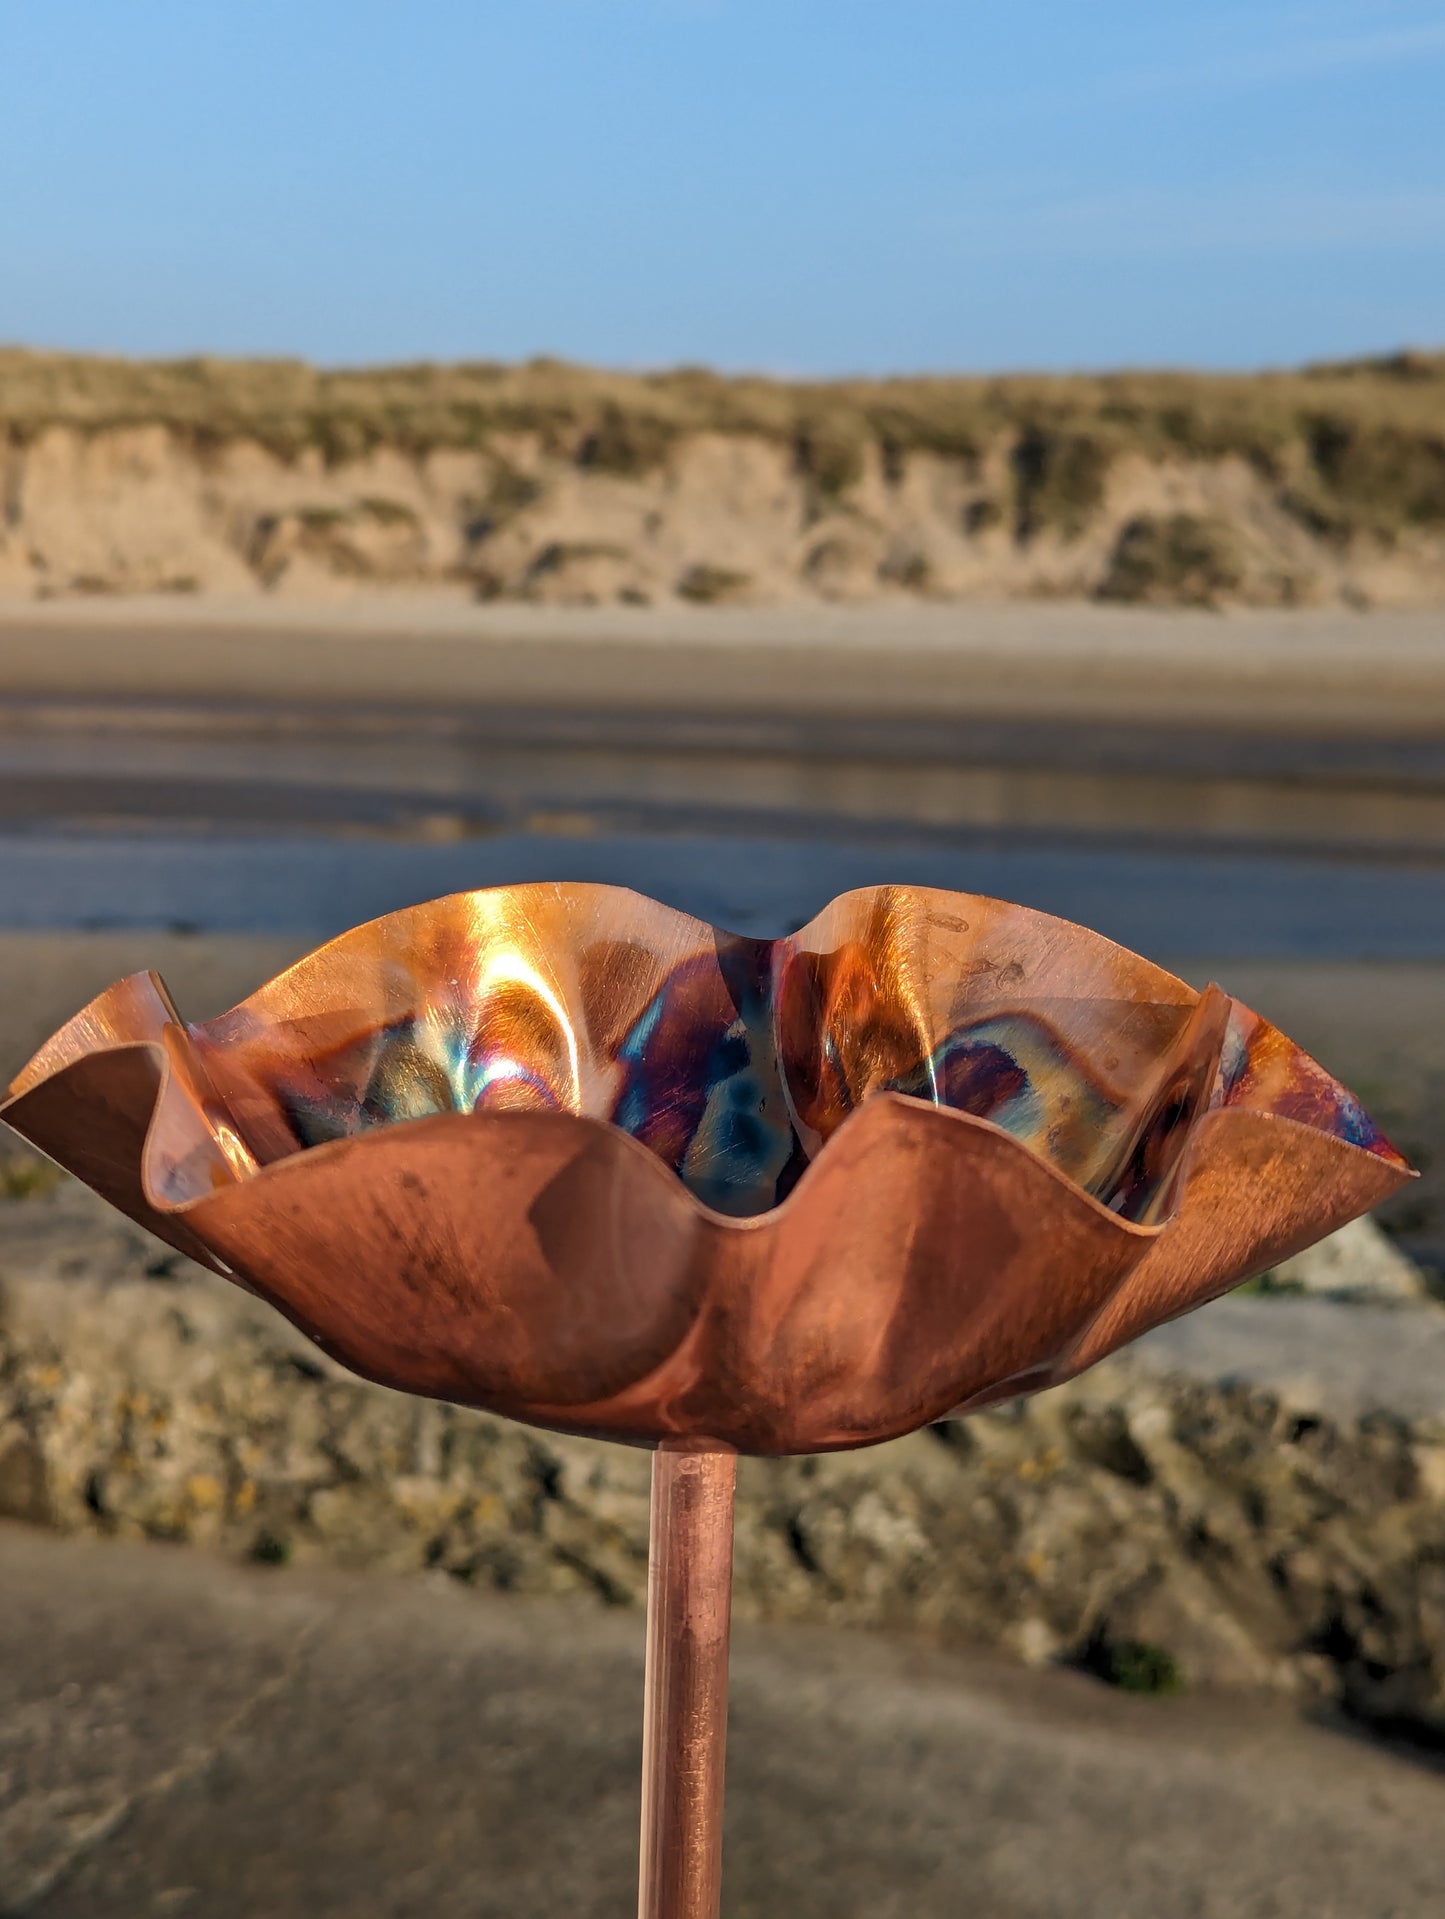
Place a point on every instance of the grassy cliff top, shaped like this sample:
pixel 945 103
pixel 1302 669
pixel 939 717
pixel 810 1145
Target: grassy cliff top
pixel 289 405
pixel 1356 445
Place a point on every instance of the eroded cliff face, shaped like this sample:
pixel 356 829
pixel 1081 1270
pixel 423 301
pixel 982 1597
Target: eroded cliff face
pixel 714 517
pixel 1196 1519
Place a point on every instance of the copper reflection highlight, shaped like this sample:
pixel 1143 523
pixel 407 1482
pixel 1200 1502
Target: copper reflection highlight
pixel 562 1153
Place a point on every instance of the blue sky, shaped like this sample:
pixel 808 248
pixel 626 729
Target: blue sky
pixel 807 186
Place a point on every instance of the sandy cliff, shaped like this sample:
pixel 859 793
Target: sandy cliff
pixel 558 485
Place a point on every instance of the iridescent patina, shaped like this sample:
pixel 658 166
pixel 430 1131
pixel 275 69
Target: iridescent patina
pixel 931 1150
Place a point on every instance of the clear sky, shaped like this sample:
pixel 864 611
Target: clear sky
pixel 807 186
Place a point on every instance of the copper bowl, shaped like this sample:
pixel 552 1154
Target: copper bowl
pixel 665 1184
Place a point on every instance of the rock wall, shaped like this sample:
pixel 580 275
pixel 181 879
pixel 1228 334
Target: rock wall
pixel 1254 1498
pixel 715 517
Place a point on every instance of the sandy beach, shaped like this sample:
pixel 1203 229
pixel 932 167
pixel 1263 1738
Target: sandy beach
pixel 1334 671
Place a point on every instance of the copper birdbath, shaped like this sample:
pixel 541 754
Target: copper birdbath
pixel 711 1195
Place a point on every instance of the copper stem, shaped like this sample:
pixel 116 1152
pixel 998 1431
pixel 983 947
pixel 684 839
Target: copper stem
pixel 685 1715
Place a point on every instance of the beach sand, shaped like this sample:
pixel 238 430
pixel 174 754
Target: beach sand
pixel 1380 672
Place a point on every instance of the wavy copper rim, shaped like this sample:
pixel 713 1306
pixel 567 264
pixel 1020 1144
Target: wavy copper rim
pixel 894 1202
pixel 942 1116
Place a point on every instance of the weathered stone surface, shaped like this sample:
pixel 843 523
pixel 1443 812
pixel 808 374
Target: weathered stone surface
pixel 1357 1263
pixel 1253 1496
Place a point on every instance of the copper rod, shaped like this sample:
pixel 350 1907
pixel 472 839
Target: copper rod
pixel 684 1740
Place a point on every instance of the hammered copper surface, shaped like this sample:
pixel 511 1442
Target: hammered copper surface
pixel 564 1153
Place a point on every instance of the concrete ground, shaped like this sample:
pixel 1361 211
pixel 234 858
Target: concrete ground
pixel 180 1736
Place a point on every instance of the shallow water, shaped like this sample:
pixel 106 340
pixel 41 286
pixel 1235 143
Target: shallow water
pixel 305 820
pixel 1227 904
